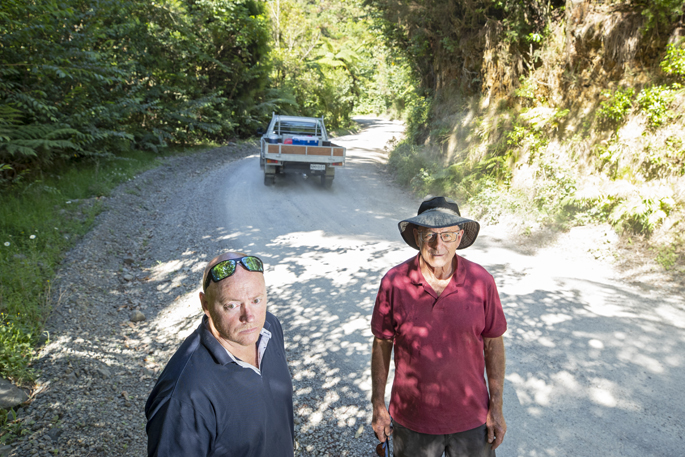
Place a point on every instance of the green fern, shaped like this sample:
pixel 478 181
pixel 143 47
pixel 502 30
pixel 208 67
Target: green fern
pixel 27 141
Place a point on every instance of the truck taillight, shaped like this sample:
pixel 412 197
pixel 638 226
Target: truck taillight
pixel 272 161
pixel 337 164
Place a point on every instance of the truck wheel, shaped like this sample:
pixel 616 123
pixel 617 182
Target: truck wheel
pixel 327 181
pixel 269 179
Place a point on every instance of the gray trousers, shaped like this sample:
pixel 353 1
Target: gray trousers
pixel 471 443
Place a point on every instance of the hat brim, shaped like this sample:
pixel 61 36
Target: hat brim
pixel 439 218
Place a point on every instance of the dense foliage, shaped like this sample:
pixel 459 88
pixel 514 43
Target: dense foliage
pixel 87 78
pixel 446 39
pixel 330 60
pixel 86 87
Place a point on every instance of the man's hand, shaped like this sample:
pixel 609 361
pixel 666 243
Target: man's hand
pixel 497 427
pixel 381 423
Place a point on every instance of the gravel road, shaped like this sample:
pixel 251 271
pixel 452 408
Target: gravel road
pixel 594 363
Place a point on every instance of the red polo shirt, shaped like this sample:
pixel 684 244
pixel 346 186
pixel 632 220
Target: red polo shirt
pixel 439 385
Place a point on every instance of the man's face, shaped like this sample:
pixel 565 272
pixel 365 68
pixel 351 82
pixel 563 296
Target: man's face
pixel 236 308
pixel 437 253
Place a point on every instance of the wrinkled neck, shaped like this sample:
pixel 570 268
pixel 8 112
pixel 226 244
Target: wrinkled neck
pixel 438 273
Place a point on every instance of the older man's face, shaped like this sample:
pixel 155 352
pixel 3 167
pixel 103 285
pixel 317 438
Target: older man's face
pixel 437 253
pixel 236 308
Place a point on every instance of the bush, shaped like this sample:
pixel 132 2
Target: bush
pixel 674 61
pixel 615 109
pixel 666 256
pixel 596 210
pixel 490 200
pixel 418 116
pixel 654 102
pixel 406 161
pixel 90 78
pixel 660 14
pixel 526 89
pixel 641 214
pixel 664 160
pixel 554 187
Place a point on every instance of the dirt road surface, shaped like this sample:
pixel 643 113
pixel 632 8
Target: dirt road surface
pixel 595 365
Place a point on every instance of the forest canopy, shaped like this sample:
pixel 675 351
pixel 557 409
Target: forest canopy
pixel 91 78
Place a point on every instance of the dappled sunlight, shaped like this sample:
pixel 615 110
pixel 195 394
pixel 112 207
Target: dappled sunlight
pixel 531 390
pixel 551 319
pixel 589 360
pixel 164 268
pixel 336 258
pixel 592 350
pixel 603 394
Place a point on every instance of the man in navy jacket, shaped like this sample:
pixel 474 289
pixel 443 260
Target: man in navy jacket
pixel 227 390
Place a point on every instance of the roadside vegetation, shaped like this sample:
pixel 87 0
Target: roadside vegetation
pixel 550 117
pixel 330 59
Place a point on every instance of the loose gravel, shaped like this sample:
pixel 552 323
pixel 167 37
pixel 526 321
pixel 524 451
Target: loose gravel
pixel 126 296
pixel 124 299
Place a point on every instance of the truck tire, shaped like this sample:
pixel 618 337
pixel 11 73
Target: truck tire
pixel 327 178
pixel 269 175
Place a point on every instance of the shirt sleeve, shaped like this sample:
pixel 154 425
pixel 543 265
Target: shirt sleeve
pixel 495 322
pixel 382 322
pixel 178 429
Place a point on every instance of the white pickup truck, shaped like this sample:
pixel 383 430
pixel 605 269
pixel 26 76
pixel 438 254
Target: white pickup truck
pixel 301 144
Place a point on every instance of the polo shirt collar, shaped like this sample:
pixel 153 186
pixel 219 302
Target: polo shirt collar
pixel 416 277
pixel 264 337
pixel 221 355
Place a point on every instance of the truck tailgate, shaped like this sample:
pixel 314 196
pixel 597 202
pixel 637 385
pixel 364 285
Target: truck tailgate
pixel 297 153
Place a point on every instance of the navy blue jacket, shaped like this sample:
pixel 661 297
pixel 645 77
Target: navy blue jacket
pixel 204 404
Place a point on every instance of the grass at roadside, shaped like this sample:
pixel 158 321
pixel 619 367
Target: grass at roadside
pixel 39 221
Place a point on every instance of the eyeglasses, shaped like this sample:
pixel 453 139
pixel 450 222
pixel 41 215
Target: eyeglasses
pixel 223 270
pixel 446 237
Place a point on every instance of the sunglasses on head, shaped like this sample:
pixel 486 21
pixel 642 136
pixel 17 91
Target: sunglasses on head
pixel 226 268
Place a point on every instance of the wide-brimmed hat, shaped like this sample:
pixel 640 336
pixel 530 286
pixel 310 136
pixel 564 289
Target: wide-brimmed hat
pixel 439 212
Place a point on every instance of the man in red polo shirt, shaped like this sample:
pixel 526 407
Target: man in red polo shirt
pixel 443 315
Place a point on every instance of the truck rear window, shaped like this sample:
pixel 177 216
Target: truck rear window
pixel 297 128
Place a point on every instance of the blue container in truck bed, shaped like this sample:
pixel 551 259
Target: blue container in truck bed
pixel 305 140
